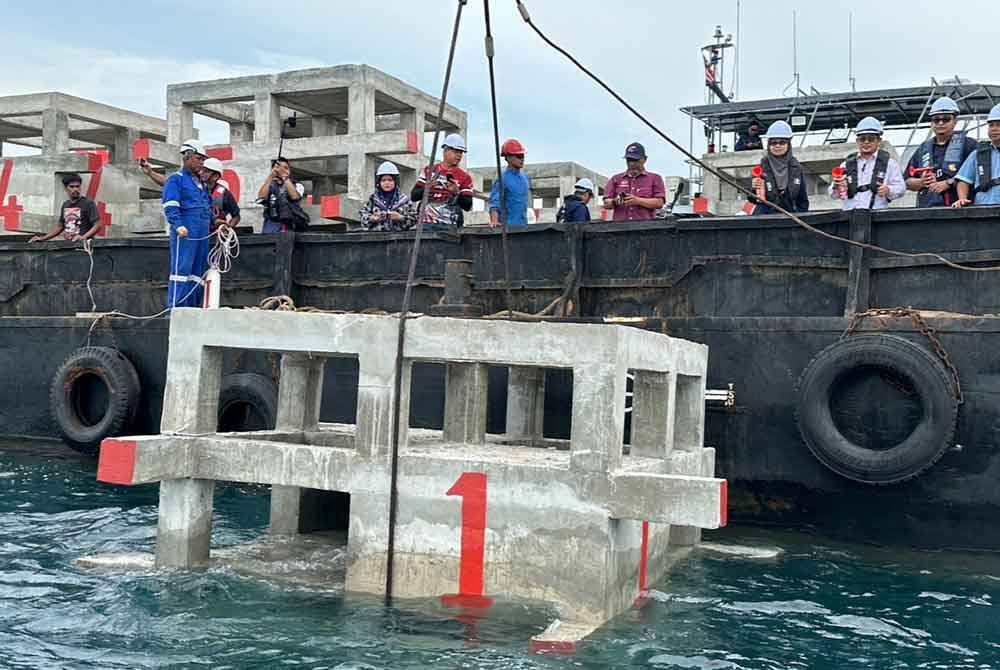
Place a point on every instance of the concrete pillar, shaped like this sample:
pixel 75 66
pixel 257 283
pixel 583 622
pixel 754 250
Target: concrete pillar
pixel 689 421
pixel 300 390
pixel 240 132
pixel 180 122
pixel 286 509
pixel 376 387
pixel 415 120
pixel 361 108
pixel 465 403
pixel 525 404
pixel 325 126
pixel 566 186
pixel 184 530
pixel 653 397
pixel 121 154
pixel 191 397
pixel 267 118
pixel 360 175
pixel 598 417
pixel 55 132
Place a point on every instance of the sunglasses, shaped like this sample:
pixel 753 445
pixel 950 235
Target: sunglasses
pixel 868 138
pixel 778 143
pixel 519 157
pixel 942 119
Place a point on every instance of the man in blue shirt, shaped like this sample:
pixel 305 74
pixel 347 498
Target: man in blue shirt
pixel 516 189
pixel 187 206
pixel 981 170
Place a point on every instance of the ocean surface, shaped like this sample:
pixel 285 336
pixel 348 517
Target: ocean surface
pixel 821 604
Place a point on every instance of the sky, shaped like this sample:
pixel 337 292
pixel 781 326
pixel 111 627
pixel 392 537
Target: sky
pixel 125 54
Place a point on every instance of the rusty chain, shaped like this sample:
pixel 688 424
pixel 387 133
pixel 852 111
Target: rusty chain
pixel 921 325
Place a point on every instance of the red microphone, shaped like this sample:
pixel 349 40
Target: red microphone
pixel 838 173
pixel 758 173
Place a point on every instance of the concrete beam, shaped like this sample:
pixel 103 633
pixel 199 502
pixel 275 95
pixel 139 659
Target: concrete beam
pixel 669 499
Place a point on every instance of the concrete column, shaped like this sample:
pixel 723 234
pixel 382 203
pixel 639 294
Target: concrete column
pixel 566 186
pixel 376 386
pixel 689 421
pixel 267 118
pixel 360 175
pixel 55 132
pixel 598 417
pixel 415 120
pixel 122 151
pixel 184 530
pixel 326 126
pixel 191 397
pixel 286 509
pixel 653 398
pixel 361 108
pixel 300 391
pixel 240 132
pixel 465 403
pixel 525 404
pixel 180 122
pixel 323 186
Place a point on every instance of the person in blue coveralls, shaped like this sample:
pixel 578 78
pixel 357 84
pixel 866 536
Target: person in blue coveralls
pixel 515 188
pixel 187 206
pixel 981 170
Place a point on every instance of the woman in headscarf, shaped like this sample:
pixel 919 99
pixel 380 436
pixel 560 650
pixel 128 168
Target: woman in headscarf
pixel 388 208
pixel 782 179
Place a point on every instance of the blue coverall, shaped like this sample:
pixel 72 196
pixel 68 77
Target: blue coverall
pixel 186 202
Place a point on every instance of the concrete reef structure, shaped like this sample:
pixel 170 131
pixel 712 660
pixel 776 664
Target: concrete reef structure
pixel 576 523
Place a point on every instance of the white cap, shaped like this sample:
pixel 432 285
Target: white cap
pixel 213 164
pixel 584 184
pixel 387 167
pixel 195 146
pixel 868 126
pixel 994 114
pixel 454 141
pixel 779 130
pixel 944 105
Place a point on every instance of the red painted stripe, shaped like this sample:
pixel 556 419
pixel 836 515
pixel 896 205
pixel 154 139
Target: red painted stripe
pixel 472 487
pixel 233 180
pixel 644 557
pixel 11 214
pixel 467 602
pixel 329 206
pixel 411 141
pixel 552 647
pixel 8 168
pixel 117 461
pixel 222 153
pixel 97 159
pixel 140 149
pixel 95 183
pixel 723 502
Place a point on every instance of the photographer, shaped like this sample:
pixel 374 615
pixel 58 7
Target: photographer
pixel 281 198
pixel 635 194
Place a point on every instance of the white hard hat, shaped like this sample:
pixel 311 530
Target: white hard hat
pixel 868 126
pixel 387 167
pixel 994 114
pixel 454 141
pixel 779 130
pixel 944 105
pixel 195 146
pixel 584 184
pixel 213 164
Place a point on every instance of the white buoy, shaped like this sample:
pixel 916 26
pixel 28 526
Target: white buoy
pixel 213 289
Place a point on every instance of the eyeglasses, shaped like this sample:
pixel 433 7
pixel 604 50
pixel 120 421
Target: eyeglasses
pixel 778 143
pixel 942 119
pixel 868 138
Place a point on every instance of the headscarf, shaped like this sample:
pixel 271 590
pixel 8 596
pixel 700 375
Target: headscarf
pixel 779 167
pixel 386 200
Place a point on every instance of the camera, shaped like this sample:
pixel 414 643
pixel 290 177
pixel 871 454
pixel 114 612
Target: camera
pixel 620 199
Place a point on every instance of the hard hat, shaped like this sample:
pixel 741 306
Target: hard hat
pixel 868 126
pixel 994 114
pixel 944 105
pixel 387 167
pixel 195 146
pixel 584 184
pixel 779 130
pixel 512 146
pixel 213 164
pixel 454 141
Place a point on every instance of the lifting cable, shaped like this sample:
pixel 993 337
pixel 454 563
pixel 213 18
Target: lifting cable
pixel 732 180
pixel 404 312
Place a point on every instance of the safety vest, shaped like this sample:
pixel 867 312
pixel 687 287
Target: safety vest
pixel 984 168
pixel 878 174
pixel 771 185
pixel 953 157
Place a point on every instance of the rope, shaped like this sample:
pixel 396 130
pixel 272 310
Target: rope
pixel 496 142
pixel 88 248
pixel 407 294
pixel 728 178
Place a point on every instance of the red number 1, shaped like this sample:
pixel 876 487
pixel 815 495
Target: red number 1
pixel 471 486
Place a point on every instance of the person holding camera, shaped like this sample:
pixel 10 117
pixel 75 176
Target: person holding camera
pixel 635 194
pixel 450 188
pixel 281 197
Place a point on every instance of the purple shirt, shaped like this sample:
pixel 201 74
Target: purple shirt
pixel 643 185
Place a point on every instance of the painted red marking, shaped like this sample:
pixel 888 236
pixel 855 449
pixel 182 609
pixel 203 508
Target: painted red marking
pixel 467 602
pixel 11 212
pixel 699 205
pixel 471 486
pixel 233 180
pixel 102 210
pixel 329 207
pixel 723 503
pixel 222 153
pixel 140 149
pixel 309 200
pixel 552 647
pixel 604 215
pixel 748 208
pixel 644 558
pixel 208 291
pixel 95 183
pixel 117 461
pixel 411 141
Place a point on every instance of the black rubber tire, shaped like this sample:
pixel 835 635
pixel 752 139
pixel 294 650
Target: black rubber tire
pixel 82 422
pixel 933 384
pixel 247 401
